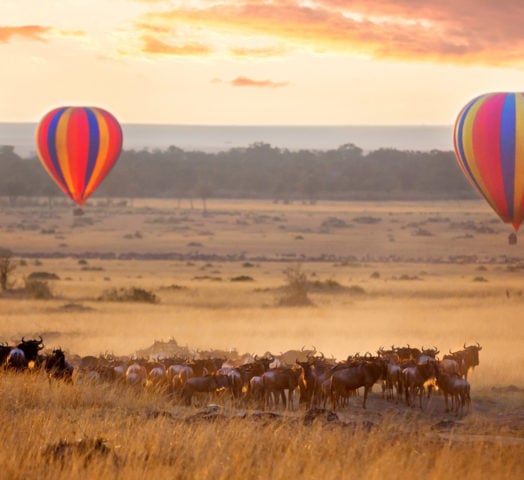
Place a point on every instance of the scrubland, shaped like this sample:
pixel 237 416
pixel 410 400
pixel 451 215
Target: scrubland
pixel 437 274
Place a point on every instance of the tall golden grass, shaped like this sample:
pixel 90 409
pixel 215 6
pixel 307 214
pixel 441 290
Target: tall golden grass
pixel 82 431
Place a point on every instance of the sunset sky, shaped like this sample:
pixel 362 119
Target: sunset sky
pixel 240 62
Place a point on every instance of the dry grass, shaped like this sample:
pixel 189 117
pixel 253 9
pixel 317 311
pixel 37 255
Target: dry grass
pixel 84 431
pixel 413 294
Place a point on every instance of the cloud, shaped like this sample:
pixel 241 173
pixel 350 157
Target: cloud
pixel 449 31
pixel 36 33
pixel 255 52
pixel 29 32
pixel 151 45
pixel 249 82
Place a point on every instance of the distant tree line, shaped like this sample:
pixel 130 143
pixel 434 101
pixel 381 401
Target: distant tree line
pixel 258 171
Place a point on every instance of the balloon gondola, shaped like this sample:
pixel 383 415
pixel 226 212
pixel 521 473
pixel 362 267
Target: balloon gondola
pixel 78 146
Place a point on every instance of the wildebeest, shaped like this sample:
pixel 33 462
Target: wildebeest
pixel 136 375
pixel 467 358
pixel 346 380
pixel 24 353
pixel 5 349
pixel 414 379
pixel 457 387
pixel 57 367
pixel 279 380
pixel 204 384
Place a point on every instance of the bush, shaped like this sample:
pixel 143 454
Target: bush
pixel 38 289
pixel 43 276
pixel 243 278
pixel 296 290
pixel 132 294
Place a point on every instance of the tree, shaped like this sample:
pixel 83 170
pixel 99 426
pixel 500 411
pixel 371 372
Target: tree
pixel 6 267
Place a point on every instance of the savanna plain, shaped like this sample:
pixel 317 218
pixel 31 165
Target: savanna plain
pixel 434 274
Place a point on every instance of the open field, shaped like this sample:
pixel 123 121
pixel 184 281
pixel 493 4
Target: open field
pixel 438 274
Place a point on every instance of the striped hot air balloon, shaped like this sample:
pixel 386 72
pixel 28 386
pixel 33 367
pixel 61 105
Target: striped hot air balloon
pixel 78 146
pixel 489 146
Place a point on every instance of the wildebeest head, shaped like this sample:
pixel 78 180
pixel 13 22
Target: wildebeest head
pixel 55 360
pixel 471 354
pixel 31 348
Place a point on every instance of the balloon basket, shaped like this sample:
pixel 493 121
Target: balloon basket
pixel 512 238
pixel 78 212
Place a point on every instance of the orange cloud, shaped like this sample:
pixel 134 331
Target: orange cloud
pixel 152 45
pixel 456 31
pixel 30 32
pixel 264 52
pixel 249 82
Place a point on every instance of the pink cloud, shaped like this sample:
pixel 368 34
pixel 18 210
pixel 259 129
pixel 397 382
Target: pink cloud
pixel 450 31
pixel 249 82
pixel 29 32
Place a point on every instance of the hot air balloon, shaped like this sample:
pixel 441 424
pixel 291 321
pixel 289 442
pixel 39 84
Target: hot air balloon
pixel 78 146
pixel 489 146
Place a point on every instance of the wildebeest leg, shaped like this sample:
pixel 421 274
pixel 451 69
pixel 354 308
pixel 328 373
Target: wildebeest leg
pixel 367 388
pixel 446 401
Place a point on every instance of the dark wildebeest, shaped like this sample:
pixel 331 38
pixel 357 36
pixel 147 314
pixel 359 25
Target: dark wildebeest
pixel 25 352
pixel 407 354
pixel 467 359
pixel 57 367
pixel 347 380
pixel 5 350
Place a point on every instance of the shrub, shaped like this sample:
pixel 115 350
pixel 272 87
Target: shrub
pixel 297 287
pixel 243 278
pixel 132 294
pixel 38 289
pixel 43 276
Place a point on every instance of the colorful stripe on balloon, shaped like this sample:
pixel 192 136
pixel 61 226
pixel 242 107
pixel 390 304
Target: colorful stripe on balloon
pixel 489 145
pixel 78 146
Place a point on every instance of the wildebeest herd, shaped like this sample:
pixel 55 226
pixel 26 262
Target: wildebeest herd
pixel 297 377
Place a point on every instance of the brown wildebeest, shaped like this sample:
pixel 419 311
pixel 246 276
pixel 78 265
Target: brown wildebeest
pixel 467 358
pixel 279 380
pixel 136 375
pixel 414 379
pixel 347 380
pixel 204 384
pixel 457 387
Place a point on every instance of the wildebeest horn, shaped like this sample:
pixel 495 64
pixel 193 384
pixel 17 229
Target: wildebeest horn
pixel 464 345
pixel 256 358
pixel 23 339
pixel 478 346
pixel 302 349
pixel 41 339
pixel 322 354
pixel 314 349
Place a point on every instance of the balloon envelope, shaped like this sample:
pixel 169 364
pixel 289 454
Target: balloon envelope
pixel 489 146
pixel 78 146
